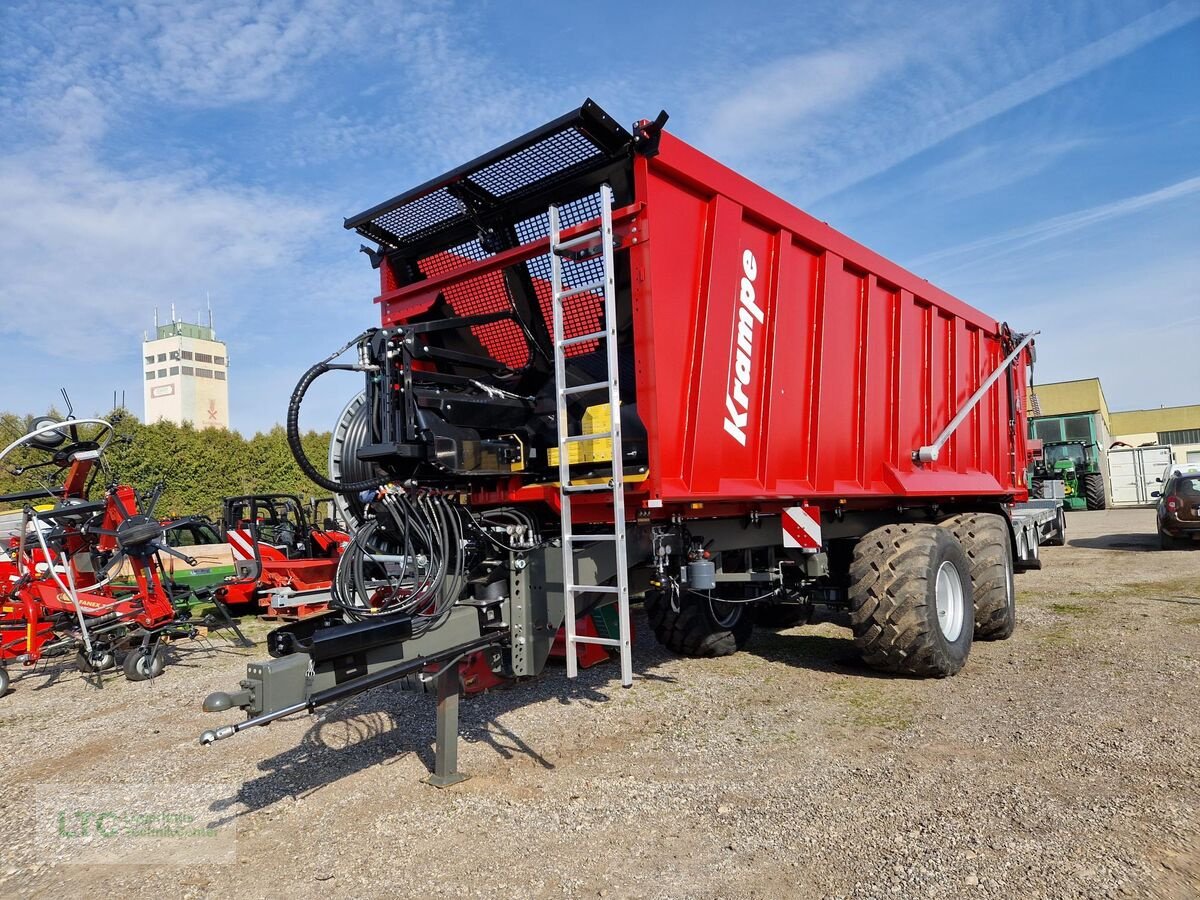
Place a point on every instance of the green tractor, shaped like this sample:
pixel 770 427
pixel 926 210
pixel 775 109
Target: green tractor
pixel 1077 465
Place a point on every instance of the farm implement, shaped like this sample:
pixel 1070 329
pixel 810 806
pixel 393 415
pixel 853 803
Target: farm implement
pixel 608 366
pixel 284 563
pixel 59 590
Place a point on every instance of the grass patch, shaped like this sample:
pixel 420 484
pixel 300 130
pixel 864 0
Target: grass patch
pixel 1174 588
pixel 1078 610
pixel 869 706
pixel 1055 637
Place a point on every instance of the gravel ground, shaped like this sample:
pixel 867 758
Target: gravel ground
pixel 1061 763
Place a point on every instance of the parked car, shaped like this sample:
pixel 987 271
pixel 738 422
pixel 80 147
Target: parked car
pixel 1179 511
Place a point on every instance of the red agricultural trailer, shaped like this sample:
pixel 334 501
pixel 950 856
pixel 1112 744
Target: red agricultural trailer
pixel 606 366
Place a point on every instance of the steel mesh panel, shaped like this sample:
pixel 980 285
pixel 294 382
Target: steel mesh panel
pixel 584 313
pixel 420 217
pixel 454 258
pixel 487 293
pixel 555 155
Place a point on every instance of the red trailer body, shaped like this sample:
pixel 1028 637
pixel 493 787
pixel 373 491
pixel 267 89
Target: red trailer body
pixel 777 360
pixel 817 377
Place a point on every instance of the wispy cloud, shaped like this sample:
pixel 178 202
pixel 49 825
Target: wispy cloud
pixel 89 251
pixel 816 124
pixel 780 95
pixel 1015 239
pixel 1067 68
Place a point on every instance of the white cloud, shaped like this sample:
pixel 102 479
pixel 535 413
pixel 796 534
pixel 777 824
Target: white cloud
pixel 1027 235
pixel 781 94
pixel 1067 68
pixel 818 123
pixel 89 251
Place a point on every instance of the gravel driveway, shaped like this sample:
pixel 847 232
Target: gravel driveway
pixel 1062 763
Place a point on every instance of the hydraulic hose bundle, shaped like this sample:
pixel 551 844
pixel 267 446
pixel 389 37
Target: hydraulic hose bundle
pixel 410 557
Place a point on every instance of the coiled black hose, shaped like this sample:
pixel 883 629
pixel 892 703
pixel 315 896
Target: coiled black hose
pixel 293 430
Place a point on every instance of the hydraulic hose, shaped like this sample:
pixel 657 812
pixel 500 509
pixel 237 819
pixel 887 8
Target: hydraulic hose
pixel 293 427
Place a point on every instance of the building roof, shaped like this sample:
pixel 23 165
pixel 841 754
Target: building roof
pixel 185 329
pixel 1062 398
pixel 1167 418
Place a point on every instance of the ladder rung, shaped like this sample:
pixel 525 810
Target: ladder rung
pixel 594 589
pixel 583 488
pixel 583 339
pixel 590 537
pixel 584 388
pixel 576 438
pixel 578 241
pixel 602 641
pixel 590 287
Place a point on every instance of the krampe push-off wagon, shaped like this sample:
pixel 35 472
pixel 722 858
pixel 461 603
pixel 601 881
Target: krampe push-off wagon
pixel 608 366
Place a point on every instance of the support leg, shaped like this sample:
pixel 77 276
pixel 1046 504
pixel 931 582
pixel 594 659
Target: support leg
pixel 445 766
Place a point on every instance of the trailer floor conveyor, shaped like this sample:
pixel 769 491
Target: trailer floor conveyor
pixel 608 366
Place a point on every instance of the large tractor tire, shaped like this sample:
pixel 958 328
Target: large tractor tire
pixel 984 538
pixel 911 606
pixel 1093 490
pixel 1035 488
pixel 700 627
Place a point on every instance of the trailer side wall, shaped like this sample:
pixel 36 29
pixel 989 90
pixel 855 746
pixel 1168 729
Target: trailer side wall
pixel 778 358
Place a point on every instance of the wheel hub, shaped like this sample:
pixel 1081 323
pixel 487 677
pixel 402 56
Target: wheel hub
pixel 950 607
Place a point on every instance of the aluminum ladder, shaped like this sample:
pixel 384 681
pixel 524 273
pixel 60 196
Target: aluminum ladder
pixel 578 249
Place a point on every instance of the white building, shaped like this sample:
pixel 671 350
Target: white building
pixel 185 372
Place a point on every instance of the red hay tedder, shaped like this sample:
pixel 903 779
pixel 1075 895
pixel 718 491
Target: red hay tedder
pixel 58 590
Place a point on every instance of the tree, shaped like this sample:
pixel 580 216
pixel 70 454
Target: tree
pixel 198 467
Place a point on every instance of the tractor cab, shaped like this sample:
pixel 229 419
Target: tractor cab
pixel 276 522
pixel 1077 465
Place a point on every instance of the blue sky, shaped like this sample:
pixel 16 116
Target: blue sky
pixel 1039 160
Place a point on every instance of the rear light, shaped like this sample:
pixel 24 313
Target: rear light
pixel 1173 504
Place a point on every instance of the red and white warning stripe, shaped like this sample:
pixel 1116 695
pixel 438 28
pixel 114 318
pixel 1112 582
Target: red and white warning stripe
pixel 242 544
pixel 802 528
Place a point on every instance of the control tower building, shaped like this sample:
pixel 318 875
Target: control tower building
pixel 185 372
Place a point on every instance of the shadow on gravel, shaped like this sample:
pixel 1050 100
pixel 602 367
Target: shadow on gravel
pixel 380 726
pixel 817 652
pixel 1136 541
pixel 180 654
pixel 1183 601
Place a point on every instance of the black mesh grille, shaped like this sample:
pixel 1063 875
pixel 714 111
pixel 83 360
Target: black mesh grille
pixel 503 340
pixel 558 155
pixel 479 193
pixel 486 293
pixel 583 313
pixel 503 196
pixel 420 218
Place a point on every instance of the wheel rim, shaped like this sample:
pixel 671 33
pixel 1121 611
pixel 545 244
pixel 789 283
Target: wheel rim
pixel 949 592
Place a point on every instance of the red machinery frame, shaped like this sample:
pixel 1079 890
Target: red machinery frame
pixel 843 334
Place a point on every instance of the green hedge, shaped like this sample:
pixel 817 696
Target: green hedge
pixel 199 466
